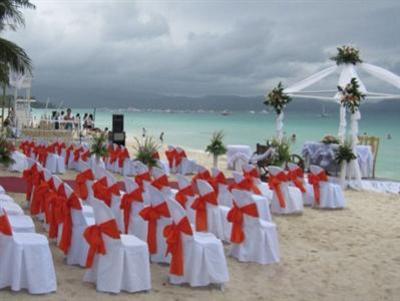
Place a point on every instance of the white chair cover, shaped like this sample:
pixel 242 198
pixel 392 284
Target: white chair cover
pixel 125 266
pixel 204 258
pixel 260 236
pixel 26 263
pixel 308 196
pixel 20 162
pixel 216 214
pixel 331 194
pixel 291 195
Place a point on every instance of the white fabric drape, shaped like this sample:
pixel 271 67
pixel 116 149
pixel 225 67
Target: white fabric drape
pixel 279 126
pixel 348 72
pixel 354 172
pixel 310 80
pixel 342 124
pixel 382 74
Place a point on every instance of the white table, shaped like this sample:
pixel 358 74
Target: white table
pixel 237 153
pixel 323 155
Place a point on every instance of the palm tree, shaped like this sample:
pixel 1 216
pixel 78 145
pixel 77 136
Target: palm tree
pixel 12 57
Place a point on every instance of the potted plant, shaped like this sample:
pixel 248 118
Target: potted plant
pixel 344 155
pixel 146 150
pixel 99 147
pixel 216 147
pixel 6 150
pixel 281 154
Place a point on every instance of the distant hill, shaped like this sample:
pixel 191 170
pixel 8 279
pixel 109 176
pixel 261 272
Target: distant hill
pixel 234 103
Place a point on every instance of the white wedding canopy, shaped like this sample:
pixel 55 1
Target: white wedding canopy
pixel 346 73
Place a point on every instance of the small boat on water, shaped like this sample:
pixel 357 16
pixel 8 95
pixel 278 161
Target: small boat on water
pixel 324 114
pixel 225 113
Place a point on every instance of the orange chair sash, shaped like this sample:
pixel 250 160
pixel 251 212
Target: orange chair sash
pixel 152 214
pixel 93 236
pixel 314 180
pixel 173 236
pixel 126 204
pixel 5 226
pixel 80 183
pixel 274 183
pixel 183 194
pixel 236 217
pixel 200 205
pixel 296 177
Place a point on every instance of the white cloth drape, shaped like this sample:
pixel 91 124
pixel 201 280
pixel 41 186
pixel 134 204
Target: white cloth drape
pixel 355 172
pixel 382 74
pixel 342 124
pixel 279 126
pixel 310 80
pixel 348 72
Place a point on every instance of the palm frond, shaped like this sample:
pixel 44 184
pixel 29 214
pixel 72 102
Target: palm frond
pixel 14 56
pixel 11 15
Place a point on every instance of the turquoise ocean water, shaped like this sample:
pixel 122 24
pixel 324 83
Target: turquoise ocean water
pixel 193 129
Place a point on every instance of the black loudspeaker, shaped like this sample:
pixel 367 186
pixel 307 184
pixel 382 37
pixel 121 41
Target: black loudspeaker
pixel 118 138
pixel 118 123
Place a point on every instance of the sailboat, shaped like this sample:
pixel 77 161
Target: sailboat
pixel 324 114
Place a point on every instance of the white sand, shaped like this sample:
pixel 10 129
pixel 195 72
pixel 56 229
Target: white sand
pixel 350 254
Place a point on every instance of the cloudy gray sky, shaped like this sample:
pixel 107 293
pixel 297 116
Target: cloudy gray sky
pixel 93 50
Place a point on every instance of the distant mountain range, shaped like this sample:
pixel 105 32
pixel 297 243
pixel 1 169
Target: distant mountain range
pixel 212 102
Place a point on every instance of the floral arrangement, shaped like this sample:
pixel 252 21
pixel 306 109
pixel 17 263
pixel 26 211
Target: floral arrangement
pixel 216 146
pixel 329 139
pixel 347 55
pixel 99 146
pixel 6 149
pixel 350 96
pixel 277 99
pixel 282 152
pixel 145 151
pixel 344 153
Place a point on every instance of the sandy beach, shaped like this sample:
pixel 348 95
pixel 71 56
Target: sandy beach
pixel 350 254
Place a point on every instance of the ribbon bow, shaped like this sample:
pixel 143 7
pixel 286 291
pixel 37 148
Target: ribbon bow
pixel 68 153
pixel 152 214
pixel 126 204
pixel 183 194
pixel 139 179
pixel 200 205
pixel 246 184
pixel 172 234
pixel 236 217
pixel 28 176
pixel 171 156
pixel 179 157
pixel 71 203
pixel 253 173
pixel 5 226
pixel 296 176
pixel 93 236
pixel 85 155
pixel 103 192
pixel 38 197
pixel 124 154
pixel 77 154
pixel 314 180
pixel 80 183
pixel 274 183
pixel 58 208
pixel 161 182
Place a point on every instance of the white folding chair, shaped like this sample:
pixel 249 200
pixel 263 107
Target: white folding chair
pixel 296 177
pixel 25 261
pixel 123 265
pixel 201 260
pixel 253 239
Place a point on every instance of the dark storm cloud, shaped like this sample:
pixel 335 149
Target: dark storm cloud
pixel 94 50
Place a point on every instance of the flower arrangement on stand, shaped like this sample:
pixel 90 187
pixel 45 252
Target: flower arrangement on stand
pixel 344 154
pixel 99 146
pixel 347 55
pixel 351 96
pixel 6 150
pixel 281 154
pixel 146 150
pixel 329 139
pixel 278 100
pixel 216 147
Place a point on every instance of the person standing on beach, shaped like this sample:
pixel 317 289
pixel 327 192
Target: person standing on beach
pixel 69 120
pixel 162 137
pixel 143 132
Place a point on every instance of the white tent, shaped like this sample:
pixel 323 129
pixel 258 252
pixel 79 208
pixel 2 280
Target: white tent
pixel 346 73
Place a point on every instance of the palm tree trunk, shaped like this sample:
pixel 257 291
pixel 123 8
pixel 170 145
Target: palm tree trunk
pixel 2 106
